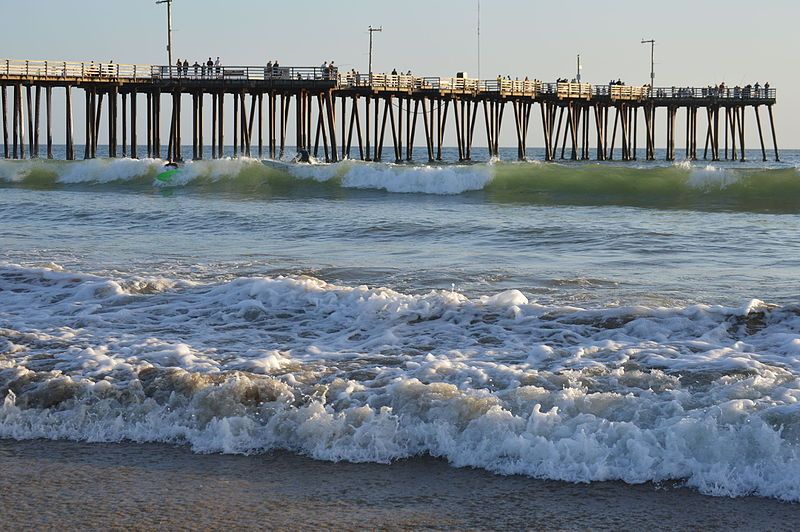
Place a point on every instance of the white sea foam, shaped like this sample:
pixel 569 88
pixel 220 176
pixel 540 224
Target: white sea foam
pixel 704 393
pixel 449 179
pixel 107 170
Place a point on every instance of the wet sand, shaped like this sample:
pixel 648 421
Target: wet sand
pixel 46 484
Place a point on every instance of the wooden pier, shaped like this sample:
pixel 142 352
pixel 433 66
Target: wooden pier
pixel 347 114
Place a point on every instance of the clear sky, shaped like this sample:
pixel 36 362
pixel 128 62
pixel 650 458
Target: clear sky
pixel 699 42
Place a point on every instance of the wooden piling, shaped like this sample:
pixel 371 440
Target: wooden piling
pixel 428 126
pixel 741 121
pixel 284 110
pixel 760 134
pixel 272 125
pixel 149 125
pixel 774 138
pixel 379 143
pixel 15 121
pixel 236 126
pixel 37 114
pixel 96 128
pixel 3 97
pixel 124 125
pixel 157 124
pixel 68 126
pixel 134 115
pixel 260 125
pixel 367 103
pixel 89 124
pixel 214 154
pixel 112 122
pixel 31 132
pixel 221 125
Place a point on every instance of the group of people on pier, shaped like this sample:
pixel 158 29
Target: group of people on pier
pixel 206 69
pixel 748 91
pixel 328 70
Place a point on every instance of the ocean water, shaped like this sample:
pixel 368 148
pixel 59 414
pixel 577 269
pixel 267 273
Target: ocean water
pixel 568 321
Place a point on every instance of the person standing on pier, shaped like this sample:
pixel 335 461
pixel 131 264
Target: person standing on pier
pixel 210 66
pixel 179 66
pixel 185 67
pixel 218 66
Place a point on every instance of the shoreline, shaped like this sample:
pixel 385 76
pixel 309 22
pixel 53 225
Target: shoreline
pixel 74 484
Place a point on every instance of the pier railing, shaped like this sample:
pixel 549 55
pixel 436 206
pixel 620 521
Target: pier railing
pixel 113 72
pixel 92 71
pixel 736 93
pixel 73 70
pixel 243 73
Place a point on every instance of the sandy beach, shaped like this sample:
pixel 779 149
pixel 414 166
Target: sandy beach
pixel 49 484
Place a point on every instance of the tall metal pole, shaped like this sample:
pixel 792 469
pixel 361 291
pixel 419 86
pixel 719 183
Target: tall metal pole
pixel 169 28
pixel 371 31
pixel 578 77
pixel 652 44
pixel 479 39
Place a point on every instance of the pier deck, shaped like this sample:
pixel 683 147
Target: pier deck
pixel 570 112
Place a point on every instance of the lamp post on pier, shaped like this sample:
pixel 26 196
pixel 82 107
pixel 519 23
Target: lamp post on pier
pixel 371 31
pixel 169 28
pixel 652 44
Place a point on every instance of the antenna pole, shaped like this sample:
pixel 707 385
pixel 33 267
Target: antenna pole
pixel 169 28
pixel 371 31
pixel 579 69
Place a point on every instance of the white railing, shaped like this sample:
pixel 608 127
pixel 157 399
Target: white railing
pixel 99 71
pixel 30 69
pixel 70 69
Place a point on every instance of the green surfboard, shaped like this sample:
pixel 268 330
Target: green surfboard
pixel 166 176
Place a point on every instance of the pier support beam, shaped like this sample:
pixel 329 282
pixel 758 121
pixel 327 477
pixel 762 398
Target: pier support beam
pixel 157 124
pixel 4 106
pixel 760 134
pixel 221 125
pixel 134 114
pixel 124 124
pixel 774 138
pixel 31 132
pixel 68 125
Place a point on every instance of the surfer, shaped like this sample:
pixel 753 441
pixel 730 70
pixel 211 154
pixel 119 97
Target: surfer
pixel 169 170
pixel 302 156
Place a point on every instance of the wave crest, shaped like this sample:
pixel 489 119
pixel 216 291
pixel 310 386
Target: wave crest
pixel 682 185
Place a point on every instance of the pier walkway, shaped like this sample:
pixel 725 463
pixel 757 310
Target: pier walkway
pixel 571 113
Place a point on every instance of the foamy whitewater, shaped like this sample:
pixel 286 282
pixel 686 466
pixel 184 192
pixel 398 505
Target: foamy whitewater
pixel 578 322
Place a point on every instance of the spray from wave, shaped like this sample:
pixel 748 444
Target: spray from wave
pixel 683 185
pixel 703 393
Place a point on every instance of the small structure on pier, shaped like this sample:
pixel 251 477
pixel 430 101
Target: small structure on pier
pixel 571 113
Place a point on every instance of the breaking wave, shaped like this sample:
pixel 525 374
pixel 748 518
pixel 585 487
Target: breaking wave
pixel 682 185
pixel 707 394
